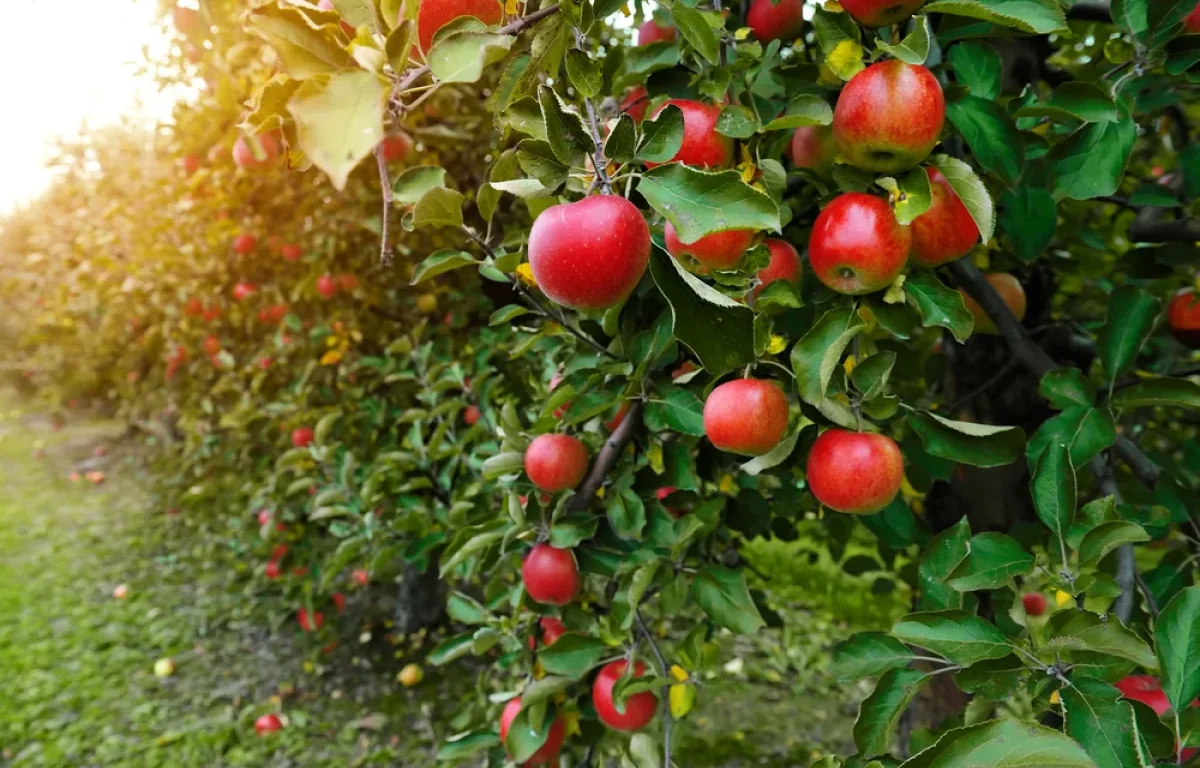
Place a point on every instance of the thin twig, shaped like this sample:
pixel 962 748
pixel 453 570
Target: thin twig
pixel 598 160
pixel 1127 574
pixel 607 458
pixel 385 245
pixel 562 321
pixel 666 692
pixel 1151 603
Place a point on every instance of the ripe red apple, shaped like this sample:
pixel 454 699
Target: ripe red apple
pixel 396 147
pixel 279 551
pixel 813 148
pixel 639 708
pixel 212 345
pixel 244 155
pixel 547 754
pixel 784 265
pixel 686 367
pixel 302 436
pixel 881 13
pixel 855 472
pixel 191 163
pixel 243 291
pixel 857 246
pixel 271 571
pixel 244 244
pixel 771 20
pixel 1009 289
pixel 1191 22
pixel 635 102
pixel 471 415
pixel 1034 602
pixel 889 116
pixel 946 231
pixel 589 254
pixel 435 14
pixel 746 416
pixel 327 286
pixel 211 313
pixel 720 250
pixel 347 281
pixel 193 307
pixel 339 602
pixel 550 575
pixel 702 146
pixel 1148 690
pixel 653 32
pixel 552 629
pixel 310 625
pixel 267 724
pixel 1183 318
pixel 618 417
pixel 360 576
pixel 291 252
pixel 556 462
pixel 264 363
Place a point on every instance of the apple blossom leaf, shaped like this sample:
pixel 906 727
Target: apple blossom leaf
pixel 358 13
pixel 439 207
pixel 1131 16
pixel 697 31
pixel 662 136
pixel 305 46
pixel 992 559
pixel 340 121
pixel 466 609
pixel 716 328
pixel 457 748
pixel 961 637
pixel 722 594
pixel 565 130
pixel 1101 722
pixel 1164 391
pixel 1074 101
pixel 643 60
pixel 1106 537
pixel 1127 324
pixel 867 654
pixel 938 305
pixel 914 48
pixel 991 135
pixel 1092 161
pixel 525 737
pixel 440 262
pixel 880 712
pixel 980 445
pixel 1086 632
pixel 643 748
pixel 803 109
pixel 1029 216
pixel 1066 387
pixel 978 67
pixel 737 122
pixel 1040 17
pixel 621 143
pixel 585 73
pixel 524 116
pixel 1177 638
pixel 1053 488
pixel 1004 743
pixel 778 296
pixel 411 185
pixel 911 194
pixel 573 655
pixel 971 190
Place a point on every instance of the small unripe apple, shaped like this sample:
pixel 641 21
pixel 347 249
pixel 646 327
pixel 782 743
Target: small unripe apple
pixel 266 724
pixel 396 147
pixel 652 32
pixel 244 154
pixel 243 245
pixel 164 667
pixel 1009 289
pixel 556 462
pixel 243 291
pixel 1034 602
pixel 747 416
pixel 411 675
pixel 770 20
pixel 946 231
pixel 427 303
pixel 639 708
pixel 550 575
pixel 121 591
pixel 784 265
pixel 360 576
pixel 889 116
pixel 720 250
pixel 308 624
pixel 191 163
pixel 327 286
pixel 302 436
pixel 290 252
pixel 589 254
pixel 858 473
pixel 547 754
pixel 813 148
pixel 1183 318
pixel 702 146
pixel 471 415
pixel 880 13
pixel 432 15
pixel 857 246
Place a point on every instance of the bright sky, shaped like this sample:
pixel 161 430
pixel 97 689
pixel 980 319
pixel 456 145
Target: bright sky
pixel 67 63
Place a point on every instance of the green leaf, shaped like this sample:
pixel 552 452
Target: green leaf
pixel 880 712
pixel 545 689
pixel 439 207
pixel 569 531
pixel 1002 744
pixel 643 748
pixel 911 194
pixel 565 130
pixel 573 655
pixel 1163 391
pixel 622 140
pixel 980 445
pixel 867 654
pixel 717 329
pixel 1092 161
pixel 537 159
pixel 399 45
pixel 941 556
pixel 340 122
pixel 1053 489
pixel 1085 430
pixel 990 134
pixel 961 637
pixel 303 46
pixel 1127 325
pixel 1164 20
pixel 347 552
pixel 914 48
pixel 697 32
pixel 773 458
pixel 465 609
pixel 585 73
pixel 662 135
pixel 938 305
pixel 626 514
pixel 358 13
pixel 722 594
pixel 815 357
pixel 1153 196
pixel 525 737
pixel 1065 387
pixel 411 185
pixel 840 41
pixel 507 463
pixel 803 109
pixel 1106 537
pixel 870 377
pixel 971 190
pixel 678 409
pixel 1029 216
pixel 439 262
pixel 451 649
pixel 992 559
pixel 1101 722
pixel 1177 638
pixel 698 203
pixel 977 67
pixel 1130 16
pixel 1085 631
pixel 1035 16
pixel 461 57
pixel 737 121
pixel 1075 100
pixel 459 747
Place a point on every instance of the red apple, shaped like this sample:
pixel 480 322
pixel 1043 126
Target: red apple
pixel 271 571
pixel 813 148
pixel 212 345
pixel 550 575
pixel 552 629
pixel 889 116
pixel 211 313
pixel 302 436
pixel 618 417
pixel 857 246
pixel 1034 602
pixel 653 32
pixel 635 102
pixel 1191 22
pixel 360 576
pixel 547 754
pixel 784 265
pixel 776 19
pixel 1183 318
pixel 264 363
pixel 279 551
pixel 347 282
pixel 747 416
pixel 720 250
pixel 191 163
pixel 639 708
pixel 702 146
pixel 291 252
pixel 881 13
pixel 245 154
pixel 946 231
pixel 435 14
pixel 310 625
pixel 589 254
pixel 471 415
pixel 267 724
pixel 854 472
pixel 327 286
pixel 339 602
pixel 243 245
pixel 193 307
pixel 556 462
pixel 243 291
pixel 396 147
pixel 1009 289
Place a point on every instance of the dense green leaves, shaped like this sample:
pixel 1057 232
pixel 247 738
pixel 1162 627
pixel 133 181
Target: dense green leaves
pixel 1002 744
pixel 1131 315
pixel 978 67
pixel 990 134
pixel 1106 537
pixel 992 560
pixel 1029 217
pixel 723 595
pixel 698 203
pixel 1177 640
pixel 1101 723
pixel 881 711
pixel 1092 161
pixel 961 637
pixel 573 655
pixel 1075 631
pixel 816 355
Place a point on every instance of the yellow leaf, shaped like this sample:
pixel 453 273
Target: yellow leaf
pixel 777 344
pixel 682 698
pixel 510 7
pixel 895 291
pixel 570 720
pixel 727 485
pixel 742 33
pixel 655 455
pixel 849 364
pixel 525 272
pixel 679 673
pixel 845 60
pixel 1055 698
pixel 982 259
pixel 1063 599
pixel 332 357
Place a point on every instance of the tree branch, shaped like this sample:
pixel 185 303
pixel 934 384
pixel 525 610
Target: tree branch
pixel 385 245
pixel 666 692
pixel 607 458
pixel 1126 563
pixel 1179 230
pixel 599 163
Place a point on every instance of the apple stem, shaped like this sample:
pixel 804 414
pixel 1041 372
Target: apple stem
pixel 385 246
pixel 666 690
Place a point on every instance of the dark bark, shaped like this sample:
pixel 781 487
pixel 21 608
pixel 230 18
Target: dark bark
pixel 421 600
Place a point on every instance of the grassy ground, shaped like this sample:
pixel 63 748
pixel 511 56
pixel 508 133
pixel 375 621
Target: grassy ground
pixel 76 665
